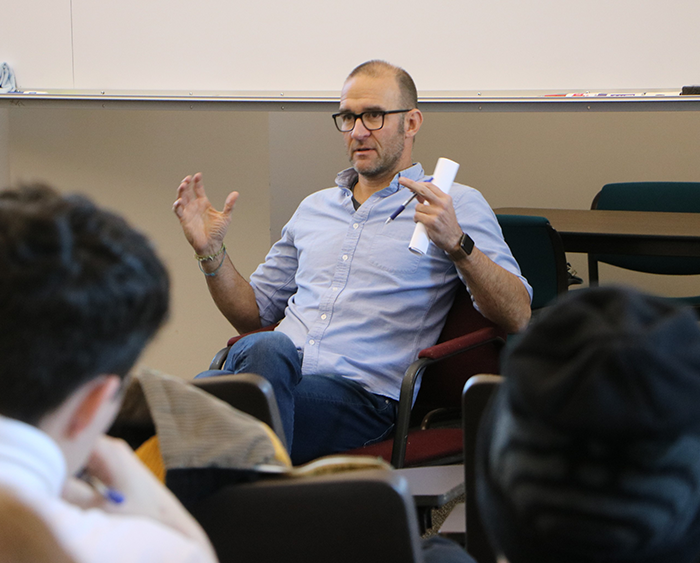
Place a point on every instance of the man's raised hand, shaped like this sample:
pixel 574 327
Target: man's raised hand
pixel 204 226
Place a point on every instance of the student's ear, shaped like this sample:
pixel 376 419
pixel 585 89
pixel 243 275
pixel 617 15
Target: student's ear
pixel 414 119
pixel 99 395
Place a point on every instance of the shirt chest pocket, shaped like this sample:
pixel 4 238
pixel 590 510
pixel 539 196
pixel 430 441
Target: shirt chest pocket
pixel 389 249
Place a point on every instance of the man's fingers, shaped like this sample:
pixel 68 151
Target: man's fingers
pixel 190 190
pixel 182 196
pixel 410 184
pixel 177 208
pixel 229 203
pixel 198 185
pixel 427 213
pixel 184 190
pixel 424 190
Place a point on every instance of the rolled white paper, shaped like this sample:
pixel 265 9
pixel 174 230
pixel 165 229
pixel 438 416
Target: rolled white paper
pixel 443 178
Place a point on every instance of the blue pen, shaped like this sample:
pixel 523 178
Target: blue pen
pixel 112 495
pixel 402 207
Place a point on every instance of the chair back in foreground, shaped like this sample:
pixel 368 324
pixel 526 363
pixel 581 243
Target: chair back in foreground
pixel 676 197
pixel 366 516
pixel 539 251
pixel 246 392
pixel 475 398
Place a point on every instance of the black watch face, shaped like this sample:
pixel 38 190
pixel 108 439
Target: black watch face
pixel 467 243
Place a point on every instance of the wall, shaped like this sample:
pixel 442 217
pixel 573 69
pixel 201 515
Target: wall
pixel 132 161
pixel 561 160
pixel 271 45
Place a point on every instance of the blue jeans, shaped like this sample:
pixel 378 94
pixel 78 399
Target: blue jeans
pixel 437 549
pixel 321 414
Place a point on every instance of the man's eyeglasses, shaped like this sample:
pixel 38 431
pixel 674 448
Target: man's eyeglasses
pixel 372 119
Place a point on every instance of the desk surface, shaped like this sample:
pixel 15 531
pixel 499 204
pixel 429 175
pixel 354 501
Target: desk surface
pixel 614 222
pixel 434 486
pixel 623 232
pixel 456 521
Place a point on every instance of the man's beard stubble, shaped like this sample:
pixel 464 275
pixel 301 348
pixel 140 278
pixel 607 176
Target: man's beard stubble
pixel 392 154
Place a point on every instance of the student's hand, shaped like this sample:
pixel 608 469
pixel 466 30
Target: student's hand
pixel 76 491
pixel 204 226
pixel 436 211
pixel 117 467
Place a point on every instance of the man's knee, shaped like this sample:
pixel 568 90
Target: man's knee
pixel 264 343
pixel 261 349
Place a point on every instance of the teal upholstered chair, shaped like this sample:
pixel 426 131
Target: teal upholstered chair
pixel 678 197
pixel 540 253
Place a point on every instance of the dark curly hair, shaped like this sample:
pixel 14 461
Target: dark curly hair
pixel 81 293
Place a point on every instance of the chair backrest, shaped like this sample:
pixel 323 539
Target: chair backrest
pixel 539 251
pixel 677 197
pixel 247 392
pixel 366 516
pixel 443 381
pixel 475 399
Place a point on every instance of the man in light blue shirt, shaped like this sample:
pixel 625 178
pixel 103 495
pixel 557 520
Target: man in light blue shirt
pixel 354 305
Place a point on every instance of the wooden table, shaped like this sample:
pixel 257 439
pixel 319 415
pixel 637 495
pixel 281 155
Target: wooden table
pixel 621 232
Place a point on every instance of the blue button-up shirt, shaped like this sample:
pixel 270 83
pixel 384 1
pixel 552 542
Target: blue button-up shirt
pixel 351 295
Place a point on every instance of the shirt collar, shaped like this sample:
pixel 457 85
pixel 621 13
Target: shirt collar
pixel 348 178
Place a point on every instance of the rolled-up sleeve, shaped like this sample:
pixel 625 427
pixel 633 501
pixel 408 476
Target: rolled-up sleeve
pixel 274 280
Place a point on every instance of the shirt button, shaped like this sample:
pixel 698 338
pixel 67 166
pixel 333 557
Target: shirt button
pixel 345 256
pixel 312 342
pixel 335 289
pixel 323 317
pixel 355 226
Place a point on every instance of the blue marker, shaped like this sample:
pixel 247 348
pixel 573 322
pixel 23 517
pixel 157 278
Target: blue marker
pixel 403 206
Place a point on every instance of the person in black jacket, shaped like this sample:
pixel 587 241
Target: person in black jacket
pixel 591 449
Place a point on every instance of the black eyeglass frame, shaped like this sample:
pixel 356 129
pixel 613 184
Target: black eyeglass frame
pixel 361 117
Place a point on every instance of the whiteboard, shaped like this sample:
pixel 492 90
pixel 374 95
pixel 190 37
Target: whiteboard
pixel 311 45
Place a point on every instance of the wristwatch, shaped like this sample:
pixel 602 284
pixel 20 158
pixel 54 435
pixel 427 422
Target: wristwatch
pixel 466 244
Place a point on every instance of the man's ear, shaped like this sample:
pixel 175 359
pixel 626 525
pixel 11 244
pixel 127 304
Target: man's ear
pixel 414 120
pixel 97 395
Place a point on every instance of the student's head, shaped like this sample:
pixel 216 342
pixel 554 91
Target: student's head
pixel 591 450
pixel 377 87
pixel 81 293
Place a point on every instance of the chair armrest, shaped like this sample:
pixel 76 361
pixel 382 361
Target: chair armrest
pixel 462 343
pixel 221 355
pixel 219 359
pixel 234 339
pixel 426 357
